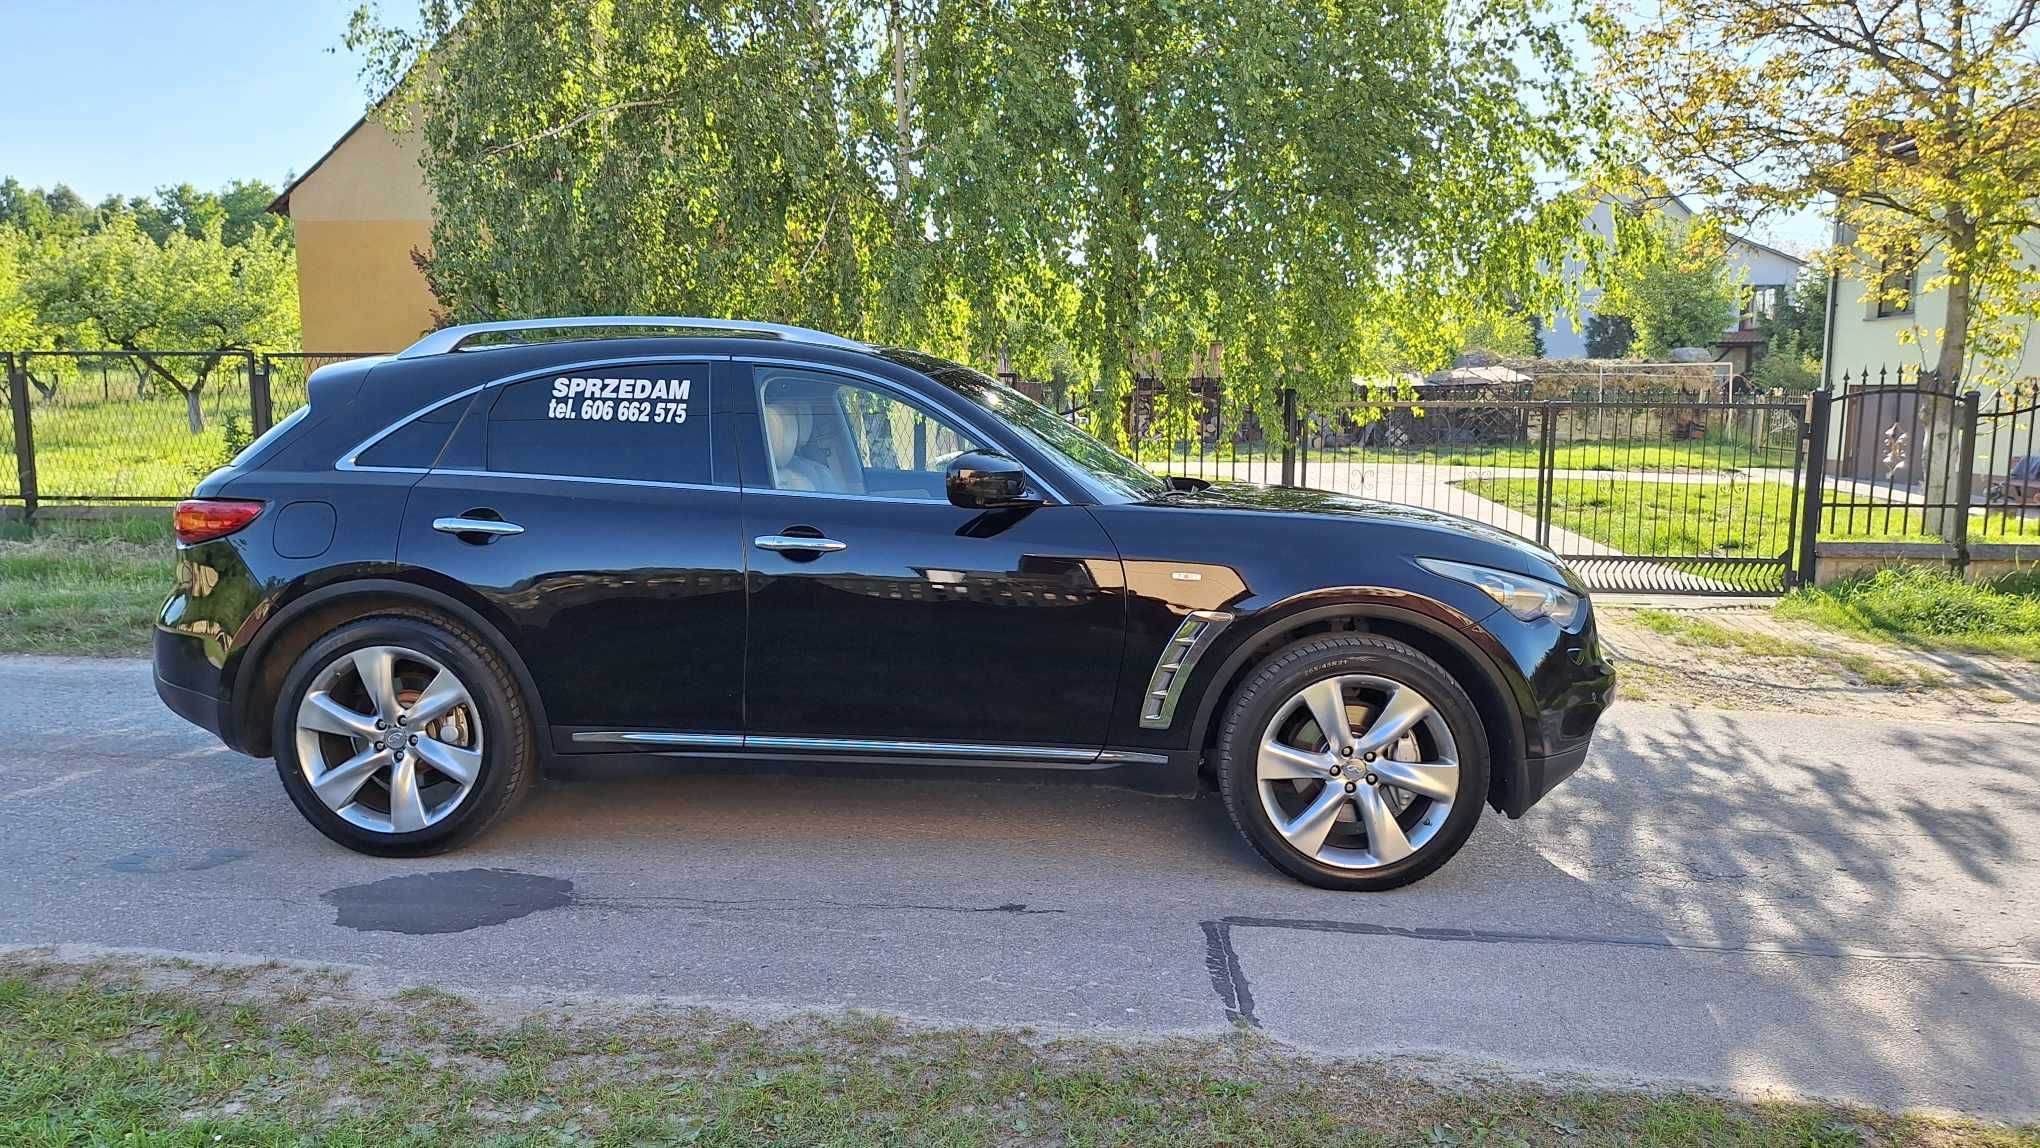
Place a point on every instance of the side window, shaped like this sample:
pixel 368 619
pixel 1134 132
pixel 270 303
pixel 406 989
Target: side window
pixel 836 436
pixel 648 423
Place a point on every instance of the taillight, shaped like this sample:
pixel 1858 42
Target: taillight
pixel 204 519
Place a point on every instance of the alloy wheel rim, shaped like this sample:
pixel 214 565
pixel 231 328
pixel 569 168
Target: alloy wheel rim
pixel 1357 771
pixel 389 739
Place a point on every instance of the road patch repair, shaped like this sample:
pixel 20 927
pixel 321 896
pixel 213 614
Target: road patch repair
pixel 453 901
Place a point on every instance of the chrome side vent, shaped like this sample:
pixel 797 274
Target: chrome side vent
pixel 1172 670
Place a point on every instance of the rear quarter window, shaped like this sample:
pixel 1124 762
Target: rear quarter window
pixel 646 423
pixel 417 443
pixel 269 438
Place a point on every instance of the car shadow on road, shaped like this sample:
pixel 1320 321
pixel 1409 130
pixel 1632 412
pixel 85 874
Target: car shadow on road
pixel 1884 905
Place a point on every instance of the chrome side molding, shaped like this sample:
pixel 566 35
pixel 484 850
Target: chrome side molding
pixel 1057 753
pixel 1172 669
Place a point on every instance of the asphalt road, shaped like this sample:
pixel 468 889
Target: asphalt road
pixel 1834 907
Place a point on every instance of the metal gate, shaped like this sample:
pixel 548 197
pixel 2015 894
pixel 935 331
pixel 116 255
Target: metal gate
pixel 1660 494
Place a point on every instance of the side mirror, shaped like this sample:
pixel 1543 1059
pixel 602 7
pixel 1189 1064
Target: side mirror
pixel 982 480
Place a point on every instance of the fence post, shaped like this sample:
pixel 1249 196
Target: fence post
pixel 1965 475
pixel 260 414
pixel 24 434
pixel 1819 404
pixel 1547 464
pixel 1289 436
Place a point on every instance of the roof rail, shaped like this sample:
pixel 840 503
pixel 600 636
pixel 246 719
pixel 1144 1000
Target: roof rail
pixel 449 339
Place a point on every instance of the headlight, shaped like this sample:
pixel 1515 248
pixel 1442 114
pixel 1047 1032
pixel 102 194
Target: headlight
pixel 1525 597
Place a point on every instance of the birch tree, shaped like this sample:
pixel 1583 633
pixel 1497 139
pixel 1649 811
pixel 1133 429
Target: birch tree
pixel 1084 187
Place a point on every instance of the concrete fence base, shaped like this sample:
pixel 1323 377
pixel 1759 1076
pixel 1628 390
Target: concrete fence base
pixel 1987 560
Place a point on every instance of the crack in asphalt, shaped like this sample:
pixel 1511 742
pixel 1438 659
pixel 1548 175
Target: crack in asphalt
pixel 1235 994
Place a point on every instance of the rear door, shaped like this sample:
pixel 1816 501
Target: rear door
pixel 911 620
pixel 594 511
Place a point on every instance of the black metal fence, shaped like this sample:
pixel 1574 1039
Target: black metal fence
pixel 1909 460
pixel 1724 491
pixel 136 427
pixel 1648 494
pixel 2007 461
pixel 1717 492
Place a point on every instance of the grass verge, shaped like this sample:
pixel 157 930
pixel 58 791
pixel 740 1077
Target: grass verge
pixel 175 1054
pixel 1929 610
pixel 82 586
pixel 1706 634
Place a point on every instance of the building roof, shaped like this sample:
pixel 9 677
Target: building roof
pixel 1766 248
pixel 281 204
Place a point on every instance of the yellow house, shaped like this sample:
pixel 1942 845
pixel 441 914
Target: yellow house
pixel 359 213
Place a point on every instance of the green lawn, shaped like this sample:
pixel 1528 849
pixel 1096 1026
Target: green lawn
pixel 195 1057
pixel 83 586
pixel 1735 519
pixel 1926 609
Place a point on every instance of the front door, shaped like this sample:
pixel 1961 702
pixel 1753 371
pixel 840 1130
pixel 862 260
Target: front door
pixel 615 560
pixel 909 619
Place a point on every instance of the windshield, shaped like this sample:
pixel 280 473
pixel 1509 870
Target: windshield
pixel 1110 473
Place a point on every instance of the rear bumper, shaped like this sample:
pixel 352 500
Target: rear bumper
pixel 190 684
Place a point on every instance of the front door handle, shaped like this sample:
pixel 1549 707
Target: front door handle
pixel 795 542
pixel 493 527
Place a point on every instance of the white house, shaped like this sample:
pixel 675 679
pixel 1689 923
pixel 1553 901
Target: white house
pixel 1873 334
pixel 1767 271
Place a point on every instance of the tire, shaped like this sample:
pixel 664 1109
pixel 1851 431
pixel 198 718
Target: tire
pixel 479 757
pixel 1379 684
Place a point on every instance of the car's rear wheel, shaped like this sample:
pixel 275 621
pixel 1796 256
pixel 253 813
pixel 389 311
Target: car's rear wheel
pixel 402 735
pixel 1353 762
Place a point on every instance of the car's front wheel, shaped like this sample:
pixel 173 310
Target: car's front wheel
pixel 1353 762
pixel 402 735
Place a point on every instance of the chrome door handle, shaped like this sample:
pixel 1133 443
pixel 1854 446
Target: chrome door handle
pixel 490 526
pixel 795 542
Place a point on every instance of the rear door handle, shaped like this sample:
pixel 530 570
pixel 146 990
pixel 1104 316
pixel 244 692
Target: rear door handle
pixel 495 527
pixel 795 542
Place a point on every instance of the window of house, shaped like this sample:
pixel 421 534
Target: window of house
pixel 831 435
pixel 643 422
pixel 1764 303
pixel 1895 289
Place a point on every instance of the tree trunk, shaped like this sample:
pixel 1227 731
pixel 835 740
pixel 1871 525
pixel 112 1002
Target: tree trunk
pixel 1943 440
pixel 903 125
pixel 194 414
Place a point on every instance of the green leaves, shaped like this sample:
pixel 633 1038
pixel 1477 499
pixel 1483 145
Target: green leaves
pixel 1089 190
pixel 1670 280
pixel 1923 127
pixel 115 288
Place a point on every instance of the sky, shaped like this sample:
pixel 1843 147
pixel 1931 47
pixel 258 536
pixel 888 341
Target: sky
pixel 125 96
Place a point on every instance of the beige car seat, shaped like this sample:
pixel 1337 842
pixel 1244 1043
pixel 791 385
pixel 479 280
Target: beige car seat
pixel 789 426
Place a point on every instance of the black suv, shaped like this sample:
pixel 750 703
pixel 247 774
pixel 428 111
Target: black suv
pixel 695 539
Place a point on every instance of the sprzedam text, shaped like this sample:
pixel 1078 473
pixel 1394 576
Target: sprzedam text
pixel 620 400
